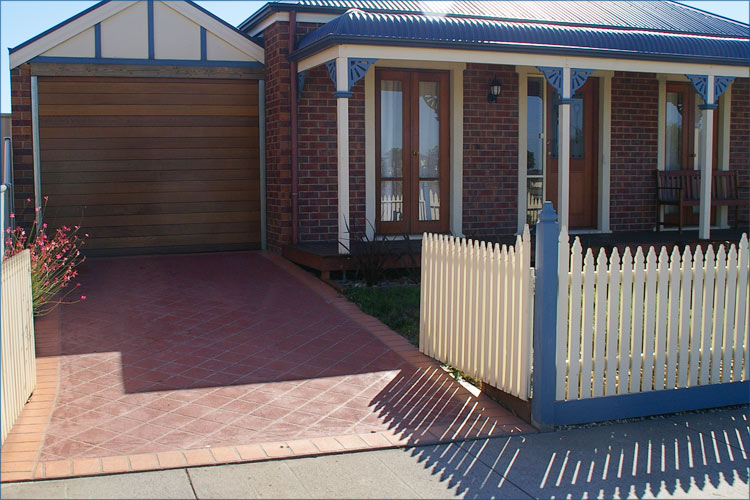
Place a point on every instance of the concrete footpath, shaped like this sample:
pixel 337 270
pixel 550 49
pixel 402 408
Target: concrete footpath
pixel 693 455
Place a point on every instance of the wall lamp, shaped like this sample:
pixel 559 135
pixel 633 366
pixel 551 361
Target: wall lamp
pixel 494 92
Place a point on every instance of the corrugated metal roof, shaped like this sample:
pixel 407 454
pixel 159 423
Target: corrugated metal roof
pixel 646 15
pixel 356 26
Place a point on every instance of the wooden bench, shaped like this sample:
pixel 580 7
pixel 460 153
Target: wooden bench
pixel 681 188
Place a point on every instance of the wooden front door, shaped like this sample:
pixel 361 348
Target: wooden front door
pixel 412 151
pixel 584 153
pixel 682 139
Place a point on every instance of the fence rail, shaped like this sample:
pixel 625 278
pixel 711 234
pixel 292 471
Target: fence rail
pixel 18 354
pixel 638 323
pixel 476 309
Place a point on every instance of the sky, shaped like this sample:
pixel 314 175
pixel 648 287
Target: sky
pixel 24 19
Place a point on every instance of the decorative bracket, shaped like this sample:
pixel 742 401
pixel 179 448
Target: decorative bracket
pixel 331 65
pixel 700 84
pixel 358 69
pixel 300 83
pixel 578 77
pixel 721 83
pixel 553 76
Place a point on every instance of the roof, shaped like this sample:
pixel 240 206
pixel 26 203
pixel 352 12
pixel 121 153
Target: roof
pixel 661 16
pixel 358 27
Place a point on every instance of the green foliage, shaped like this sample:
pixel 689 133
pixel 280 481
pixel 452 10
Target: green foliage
pixel 396 306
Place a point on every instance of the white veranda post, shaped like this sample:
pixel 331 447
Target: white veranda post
pixel 563 144
pixel 706 160
pixel 342 124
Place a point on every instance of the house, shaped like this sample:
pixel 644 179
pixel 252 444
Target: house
pixel 163 128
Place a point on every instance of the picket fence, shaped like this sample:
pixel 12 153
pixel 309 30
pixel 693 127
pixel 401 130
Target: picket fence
pixel 476 307
pixel 639 323
pixel 17 327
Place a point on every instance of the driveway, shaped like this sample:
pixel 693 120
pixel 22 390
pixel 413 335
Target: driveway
pixel 193 359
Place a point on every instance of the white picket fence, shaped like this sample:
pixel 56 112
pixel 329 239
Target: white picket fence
pixel 18 354
pixel 476 309
pixel 636 323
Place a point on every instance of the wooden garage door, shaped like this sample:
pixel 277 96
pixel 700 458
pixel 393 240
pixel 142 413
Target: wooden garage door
pixel 152 164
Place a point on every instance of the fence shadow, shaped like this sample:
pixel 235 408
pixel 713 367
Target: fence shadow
pixel 693 454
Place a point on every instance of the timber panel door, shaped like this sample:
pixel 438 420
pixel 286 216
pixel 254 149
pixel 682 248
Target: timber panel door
pixel 584 153
pixel 412 151
pixel 152 164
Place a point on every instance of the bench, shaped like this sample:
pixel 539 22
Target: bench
pixel 681 188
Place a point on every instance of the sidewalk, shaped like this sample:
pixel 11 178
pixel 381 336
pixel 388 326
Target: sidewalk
pixel 695 455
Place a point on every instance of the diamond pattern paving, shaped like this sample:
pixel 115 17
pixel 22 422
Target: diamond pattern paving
pixel 190 351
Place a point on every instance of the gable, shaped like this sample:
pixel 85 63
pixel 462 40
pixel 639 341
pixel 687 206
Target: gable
pixel 145 32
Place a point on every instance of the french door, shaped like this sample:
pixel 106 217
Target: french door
pixel 683 139
pixel 412 151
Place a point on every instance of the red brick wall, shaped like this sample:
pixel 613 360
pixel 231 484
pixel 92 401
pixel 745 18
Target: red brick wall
pixel 318 156
pixel 490 156
pixel 23 160
pixel 739 140
pixel 634 151
pixel 278 137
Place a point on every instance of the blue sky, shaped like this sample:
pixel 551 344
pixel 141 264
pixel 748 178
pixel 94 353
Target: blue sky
pixel 24 19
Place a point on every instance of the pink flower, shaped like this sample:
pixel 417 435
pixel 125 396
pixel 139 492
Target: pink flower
pixel 83 297
pixel 46 198
pixel 28 200
pixel 44 225
pixel 12 215
pixel 37 209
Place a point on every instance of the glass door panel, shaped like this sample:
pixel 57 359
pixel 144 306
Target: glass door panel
pixel 534 149
pixel 391 151
pixel 412 150
pixel 429 151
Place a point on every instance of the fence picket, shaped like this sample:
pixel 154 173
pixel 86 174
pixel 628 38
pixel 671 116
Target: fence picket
pixel 527 333
pixel 741 321
pixel 587 343
pixel 506 316
pixel 601 322
pixel 673 320
pixel 696 323
pixel 686 276
pixel 708 297
pixel 649 334
pixel 626 296
pixel 574 339
pixel 498 349
pixel 563 294
pixel 613 303
pixel 662 311
pixel 636 356
pixel 729 312
pixel 718 314
pixel 483 338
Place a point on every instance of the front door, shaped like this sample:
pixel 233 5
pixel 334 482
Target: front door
pixel 412 151
pixel 683 135
pixel 584 153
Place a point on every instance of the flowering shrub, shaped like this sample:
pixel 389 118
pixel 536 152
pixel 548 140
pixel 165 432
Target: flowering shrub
pixel 53 262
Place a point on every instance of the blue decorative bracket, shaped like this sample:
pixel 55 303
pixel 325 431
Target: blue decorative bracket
pixel 721 83
pixel 358 69
pixel 578 77
pixel 300 83
pixel 331 65
pixel 553 76
pixel 700 84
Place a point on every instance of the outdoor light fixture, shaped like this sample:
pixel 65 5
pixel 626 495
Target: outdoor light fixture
pixel 495 88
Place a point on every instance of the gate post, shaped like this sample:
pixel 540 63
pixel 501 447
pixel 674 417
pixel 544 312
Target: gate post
pixel 545 318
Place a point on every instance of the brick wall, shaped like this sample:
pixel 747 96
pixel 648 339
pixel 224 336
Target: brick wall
pixel 634 151
pixel 739 140
pixel 278 137
pixel 23 160
pixel 318 172
pixel 490 189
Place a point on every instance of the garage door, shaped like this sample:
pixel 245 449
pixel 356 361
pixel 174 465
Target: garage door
pixel 152 164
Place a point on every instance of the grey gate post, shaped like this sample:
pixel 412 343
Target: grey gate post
pixel 545 318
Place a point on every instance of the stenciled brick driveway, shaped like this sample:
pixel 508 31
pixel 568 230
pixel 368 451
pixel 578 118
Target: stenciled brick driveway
pixel 193 359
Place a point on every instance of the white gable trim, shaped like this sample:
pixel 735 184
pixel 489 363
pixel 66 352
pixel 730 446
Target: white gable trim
pixel 105 11
pixel 219 29
pixel 67 31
